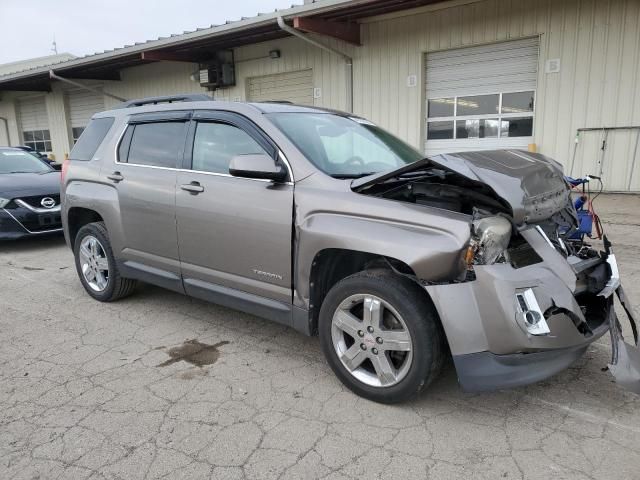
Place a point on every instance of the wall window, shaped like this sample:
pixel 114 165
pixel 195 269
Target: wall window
pixel 215 144
pixel 156 144
pixel 39 140
pixel 76 132
pixel 497 115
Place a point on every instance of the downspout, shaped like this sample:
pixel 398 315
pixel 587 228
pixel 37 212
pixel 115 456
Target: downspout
pixel 86 87
pixel 6 130
pixel 347 59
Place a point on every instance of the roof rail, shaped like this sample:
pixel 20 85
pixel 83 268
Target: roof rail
pixel 284 102
pixel 192 97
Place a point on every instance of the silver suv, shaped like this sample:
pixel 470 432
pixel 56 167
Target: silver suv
pixel 324 222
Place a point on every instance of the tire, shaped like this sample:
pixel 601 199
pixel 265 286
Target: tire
pixel 412 370
pixel 113 286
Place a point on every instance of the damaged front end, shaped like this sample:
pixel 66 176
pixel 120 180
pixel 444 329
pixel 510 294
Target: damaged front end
pixel 529 297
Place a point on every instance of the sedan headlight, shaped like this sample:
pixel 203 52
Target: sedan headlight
pixel 4 202
pixel 490 238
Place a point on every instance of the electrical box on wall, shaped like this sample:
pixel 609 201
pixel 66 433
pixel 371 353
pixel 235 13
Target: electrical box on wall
pixel 219 72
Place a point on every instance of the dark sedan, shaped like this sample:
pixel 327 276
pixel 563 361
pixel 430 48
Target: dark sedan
pixel 29 195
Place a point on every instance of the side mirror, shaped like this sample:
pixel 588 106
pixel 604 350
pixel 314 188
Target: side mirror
pixel 257 166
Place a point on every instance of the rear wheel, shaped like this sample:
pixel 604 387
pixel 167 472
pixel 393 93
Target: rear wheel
pixel 381 336
pixel 96 265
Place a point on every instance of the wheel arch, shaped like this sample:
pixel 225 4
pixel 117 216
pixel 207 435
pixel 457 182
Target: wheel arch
pixel 78 217
pixel 87 202
pixel 330 265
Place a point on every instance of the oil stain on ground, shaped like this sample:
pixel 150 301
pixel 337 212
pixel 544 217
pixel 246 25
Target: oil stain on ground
pixel 195 353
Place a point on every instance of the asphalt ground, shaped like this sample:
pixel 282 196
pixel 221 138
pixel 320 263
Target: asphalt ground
pixel 90 390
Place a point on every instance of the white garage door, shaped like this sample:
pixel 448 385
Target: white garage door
pixel 83 104
pixel 295 87
pixel 481 97
pixel 34 124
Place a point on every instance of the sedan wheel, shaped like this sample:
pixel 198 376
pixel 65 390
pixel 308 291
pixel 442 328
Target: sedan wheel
pixel 94 263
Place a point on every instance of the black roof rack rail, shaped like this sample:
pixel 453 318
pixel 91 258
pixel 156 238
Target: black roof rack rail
pixel 193 97
pixel 283 102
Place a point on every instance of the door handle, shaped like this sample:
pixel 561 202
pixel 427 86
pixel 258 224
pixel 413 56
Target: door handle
pixel 193 188
pixel 115 177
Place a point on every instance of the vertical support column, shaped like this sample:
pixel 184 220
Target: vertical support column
pixel 57 114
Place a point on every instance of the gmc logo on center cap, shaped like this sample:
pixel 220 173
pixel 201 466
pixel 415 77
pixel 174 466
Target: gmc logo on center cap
pixel 48 202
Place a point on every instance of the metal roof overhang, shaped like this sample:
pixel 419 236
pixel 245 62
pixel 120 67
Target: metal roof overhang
pixel 199 45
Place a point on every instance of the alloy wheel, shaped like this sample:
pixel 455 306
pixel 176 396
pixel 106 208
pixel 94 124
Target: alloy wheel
pixel 94 263
pixel 372 340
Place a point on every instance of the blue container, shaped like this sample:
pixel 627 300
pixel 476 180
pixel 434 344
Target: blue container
pixel 585 224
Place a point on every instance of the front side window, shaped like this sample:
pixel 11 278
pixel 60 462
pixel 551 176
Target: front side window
pixel 215 144
pixel 498 115
pixel 156 144
pixel 344 147
pixel 39 140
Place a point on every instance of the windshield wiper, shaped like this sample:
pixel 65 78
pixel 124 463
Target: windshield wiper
pixel 352 175
pixel 22 171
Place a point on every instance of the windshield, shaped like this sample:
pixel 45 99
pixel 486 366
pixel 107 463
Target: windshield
pixel 344 147
pixel 17 161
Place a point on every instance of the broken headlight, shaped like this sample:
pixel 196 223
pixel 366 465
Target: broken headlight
pixel 490 238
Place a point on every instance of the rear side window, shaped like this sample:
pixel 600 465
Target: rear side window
pixel 88 143
pixel 156 144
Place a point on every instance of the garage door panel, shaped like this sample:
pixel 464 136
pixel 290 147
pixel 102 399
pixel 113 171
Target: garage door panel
pixel 486 70
pixel 83 104
pixel 296 87
pixel 280 83
pixel 490 50
pixel 33 114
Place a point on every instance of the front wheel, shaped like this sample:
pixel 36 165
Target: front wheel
pixel 381 336
pixel 96 265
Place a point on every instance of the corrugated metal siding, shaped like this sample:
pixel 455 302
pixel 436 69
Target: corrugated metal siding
pixel 328 70
pixel 83 104
pixel 162 78
pixel 597 42
pixel 295 87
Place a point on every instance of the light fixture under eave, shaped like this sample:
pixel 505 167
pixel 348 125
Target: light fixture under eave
pixel 274 53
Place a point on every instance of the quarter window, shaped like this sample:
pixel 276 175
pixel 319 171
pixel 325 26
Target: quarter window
pixel 93 136
pixel 498 115
pixel 156 144
pixel 215 144
pixel 39 140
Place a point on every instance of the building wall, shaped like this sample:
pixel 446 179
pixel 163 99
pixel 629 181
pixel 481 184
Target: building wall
pixel 329 70
pixel 597 42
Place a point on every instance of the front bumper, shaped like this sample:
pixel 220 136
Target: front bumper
pixel 21 222
pixel 485 371
pixel 491 346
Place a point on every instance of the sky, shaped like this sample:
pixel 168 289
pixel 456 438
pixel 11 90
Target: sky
pixel 80 27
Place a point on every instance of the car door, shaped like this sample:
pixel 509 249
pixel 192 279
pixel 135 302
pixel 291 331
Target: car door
pixel 234 233
pixel 144 176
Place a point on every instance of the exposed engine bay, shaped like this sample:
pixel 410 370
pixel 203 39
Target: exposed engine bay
pixel 507 194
